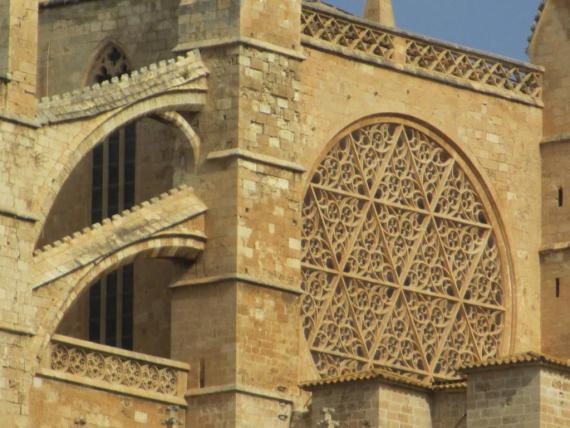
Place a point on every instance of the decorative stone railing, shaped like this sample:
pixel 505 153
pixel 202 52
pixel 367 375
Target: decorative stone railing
pixel 104 367
pixel 326 28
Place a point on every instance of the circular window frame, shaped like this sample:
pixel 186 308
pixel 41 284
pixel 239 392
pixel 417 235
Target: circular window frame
pixel 480 185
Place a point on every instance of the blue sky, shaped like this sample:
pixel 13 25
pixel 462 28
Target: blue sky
pixel 499 26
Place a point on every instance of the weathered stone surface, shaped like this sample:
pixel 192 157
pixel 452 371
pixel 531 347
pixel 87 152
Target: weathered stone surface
pixel 362 199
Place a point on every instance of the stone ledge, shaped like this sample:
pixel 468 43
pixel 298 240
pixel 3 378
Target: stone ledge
pixel 389 378
pixel 34 124
pixel 236 277
pixel 232 41
pixel 16 329
pixel 537 20
pixel 256 157
pixel 559 138
pixel 104 386
pixel 378 374
pixel 239 389
pixel 554 247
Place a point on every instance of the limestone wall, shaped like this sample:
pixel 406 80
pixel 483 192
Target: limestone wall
pixel 554 399
pixel 405 408
pixel 71 36
pixel 555 299
pixel 449 409
pixel 504 398
pixel 370 403
pixel 58 404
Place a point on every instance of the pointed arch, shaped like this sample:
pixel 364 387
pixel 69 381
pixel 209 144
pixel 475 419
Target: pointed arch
pixel 110 60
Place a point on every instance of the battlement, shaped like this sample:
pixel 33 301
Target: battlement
pixel 124 90
pixel 149 219
pixel 330 29
pixel 177 192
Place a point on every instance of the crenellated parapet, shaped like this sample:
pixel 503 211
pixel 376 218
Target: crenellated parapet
pixel 166 216
pixel 121 91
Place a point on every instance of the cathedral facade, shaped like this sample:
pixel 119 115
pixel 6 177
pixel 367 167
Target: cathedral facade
pixel 261 213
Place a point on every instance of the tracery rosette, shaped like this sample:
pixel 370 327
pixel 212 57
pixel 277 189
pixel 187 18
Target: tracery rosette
pixel 402 267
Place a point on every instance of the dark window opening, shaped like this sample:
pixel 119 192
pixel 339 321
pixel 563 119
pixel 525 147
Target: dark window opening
pixel 560 196
pixel 557 287
pixel 113 190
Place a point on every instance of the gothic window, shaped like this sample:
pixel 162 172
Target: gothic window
pixel 113 190
pixel 401 264
pixel 111 62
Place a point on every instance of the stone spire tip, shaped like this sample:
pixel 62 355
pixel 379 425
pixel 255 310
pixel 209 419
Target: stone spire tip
pixel 380 11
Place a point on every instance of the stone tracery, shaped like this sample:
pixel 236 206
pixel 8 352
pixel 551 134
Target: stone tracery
pixel 401 267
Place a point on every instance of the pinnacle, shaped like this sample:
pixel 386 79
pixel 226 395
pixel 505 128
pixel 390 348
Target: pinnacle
pixel 380 11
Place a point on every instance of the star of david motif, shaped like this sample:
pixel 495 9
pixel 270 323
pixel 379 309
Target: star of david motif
pixel 401 268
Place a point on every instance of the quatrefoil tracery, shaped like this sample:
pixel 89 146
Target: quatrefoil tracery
pixel 401 267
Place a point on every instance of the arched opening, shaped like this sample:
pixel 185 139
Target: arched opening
pixel 129 307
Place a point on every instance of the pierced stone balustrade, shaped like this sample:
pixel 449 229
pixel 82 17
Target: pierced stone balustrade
pixel 327 29
pixel 104 367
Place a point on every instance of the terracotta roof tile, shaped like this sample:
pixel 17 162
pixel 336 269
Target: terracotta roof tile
pixel 518 359
pixel 387 376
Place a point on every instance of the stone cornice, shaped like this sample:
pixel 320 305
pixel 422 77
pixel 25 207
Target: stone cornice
pixel 239 389
pixel 388 377
pixel 554 247
pixel 523 359
pixel 237 277
pixel 17 330
pixel 559 138
pixel 234 41
pixel 257 158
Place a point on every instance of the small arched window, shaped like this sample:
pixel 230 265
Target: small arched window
pixel 110 62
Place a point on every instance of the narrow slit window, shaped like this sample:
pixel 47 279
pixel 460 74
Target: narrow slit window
pixel 560 196
pixel 557 287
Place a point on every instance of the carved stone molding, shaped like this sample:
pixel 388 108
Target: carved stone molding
pixel 100 366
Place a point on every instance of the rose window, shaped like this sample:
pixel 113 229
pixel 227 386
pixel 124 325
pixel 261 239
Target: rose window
pixel 401 264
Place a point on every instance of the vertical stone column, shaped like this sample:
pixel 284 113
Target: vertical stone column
pixel 235 315
pixel 18 45
pixel 18 58
pixel 550 47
